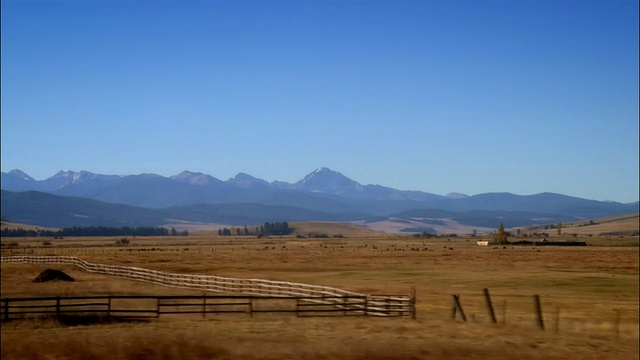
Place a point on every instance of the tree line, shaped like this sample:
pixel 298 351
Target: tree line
pixel 268 228
pixel 94 231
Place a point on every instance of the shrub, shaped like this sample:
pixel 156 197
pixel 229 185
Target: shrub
pixel 123 241
pixel 319 236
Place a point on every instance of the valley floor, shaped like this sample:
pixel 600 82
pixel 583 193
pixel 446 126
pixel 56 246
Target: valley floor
pixel 582 291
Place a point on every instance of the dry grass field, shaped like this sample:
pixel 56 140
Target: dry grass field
pixel 12 226
pixel 582 290
pixel 610 226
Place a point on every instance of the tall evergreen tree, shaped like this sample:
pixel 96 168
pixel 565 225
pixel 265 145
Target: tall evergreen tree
pixel 501 235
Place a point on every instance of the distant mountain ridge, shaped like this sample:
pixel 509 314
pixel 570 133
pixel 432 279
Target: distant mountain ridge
pixel 195 187
pixel 323 194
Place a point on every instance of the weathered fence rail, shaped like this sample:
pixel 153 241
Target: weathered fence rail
pixel 372 305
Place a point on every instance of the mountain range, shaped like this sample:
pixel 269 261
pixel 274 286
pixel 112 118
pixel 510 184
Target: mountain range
pixel 83 198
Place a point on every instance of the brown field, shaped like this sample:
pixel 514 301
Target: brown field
pixel 12 226
pixel 610 226
pixel 582 290
pixel 334 229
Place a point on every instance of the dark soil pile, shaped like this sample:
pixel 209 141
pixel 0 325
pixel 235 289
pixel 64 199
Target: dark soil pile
pixel 52 274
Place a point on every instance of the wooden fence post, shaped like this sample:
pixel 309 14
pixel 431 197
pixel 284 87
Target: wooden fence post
pixel 617 324
pixel 204 306
pixel 251 306
pixel 487 297
pixel 504 311
pixel 6 309
pixel 345 302
pixel 457 307
pixel 453 308
pixel 387 302
pixel 413 303
pixel 109 306
pixel 157 307
pixel 58 306
pixel 536 300
pixel 366 305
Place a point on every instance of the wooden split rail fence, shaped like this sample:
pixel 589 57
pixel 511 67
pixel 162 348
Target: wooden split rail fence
pixel 144 306
pixel 306 295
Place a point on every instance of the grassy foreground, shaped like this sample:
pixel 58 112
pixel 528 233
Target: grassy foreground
pixel 294 338
pixel 582 290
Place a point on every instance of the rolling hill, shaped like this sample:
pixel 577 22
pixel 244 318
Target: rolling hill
pixel 609 226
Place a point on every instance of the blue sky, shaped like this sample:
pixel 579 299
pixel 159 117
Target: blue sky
pixel 439 96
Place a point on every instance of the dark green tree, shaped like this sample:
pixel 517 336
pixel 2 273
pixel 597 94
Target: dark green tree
pixel 500 236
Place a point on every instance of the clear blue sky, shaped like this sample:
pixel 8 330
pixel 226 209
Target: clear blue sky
pixel 439 96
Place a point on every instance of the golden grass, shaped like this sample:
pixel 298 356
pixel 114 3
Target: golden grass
pixel 294 338
pixel 615 225
pixel 13 226
pixel 584 285
pixel 333 229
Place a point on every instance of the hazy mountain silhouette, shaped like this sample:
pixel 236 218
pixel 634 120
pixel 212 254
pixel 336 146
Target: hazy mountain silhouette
pixel 149 199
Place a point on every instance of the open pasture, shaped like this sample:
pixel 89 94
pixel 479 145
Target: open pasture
pixel 582 290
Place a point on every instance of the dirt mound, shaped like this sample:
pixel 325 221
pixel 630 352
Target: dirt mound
pixel 52 274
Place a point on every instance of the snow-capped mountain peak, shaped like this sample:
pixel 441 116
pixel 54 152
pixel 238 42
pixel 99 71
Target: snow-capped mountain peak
pixel 246 180
pixel 326 180
pixel 74 177
pixel 21 174
pixel 63 173
pixel 67 176
pixel 194 178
